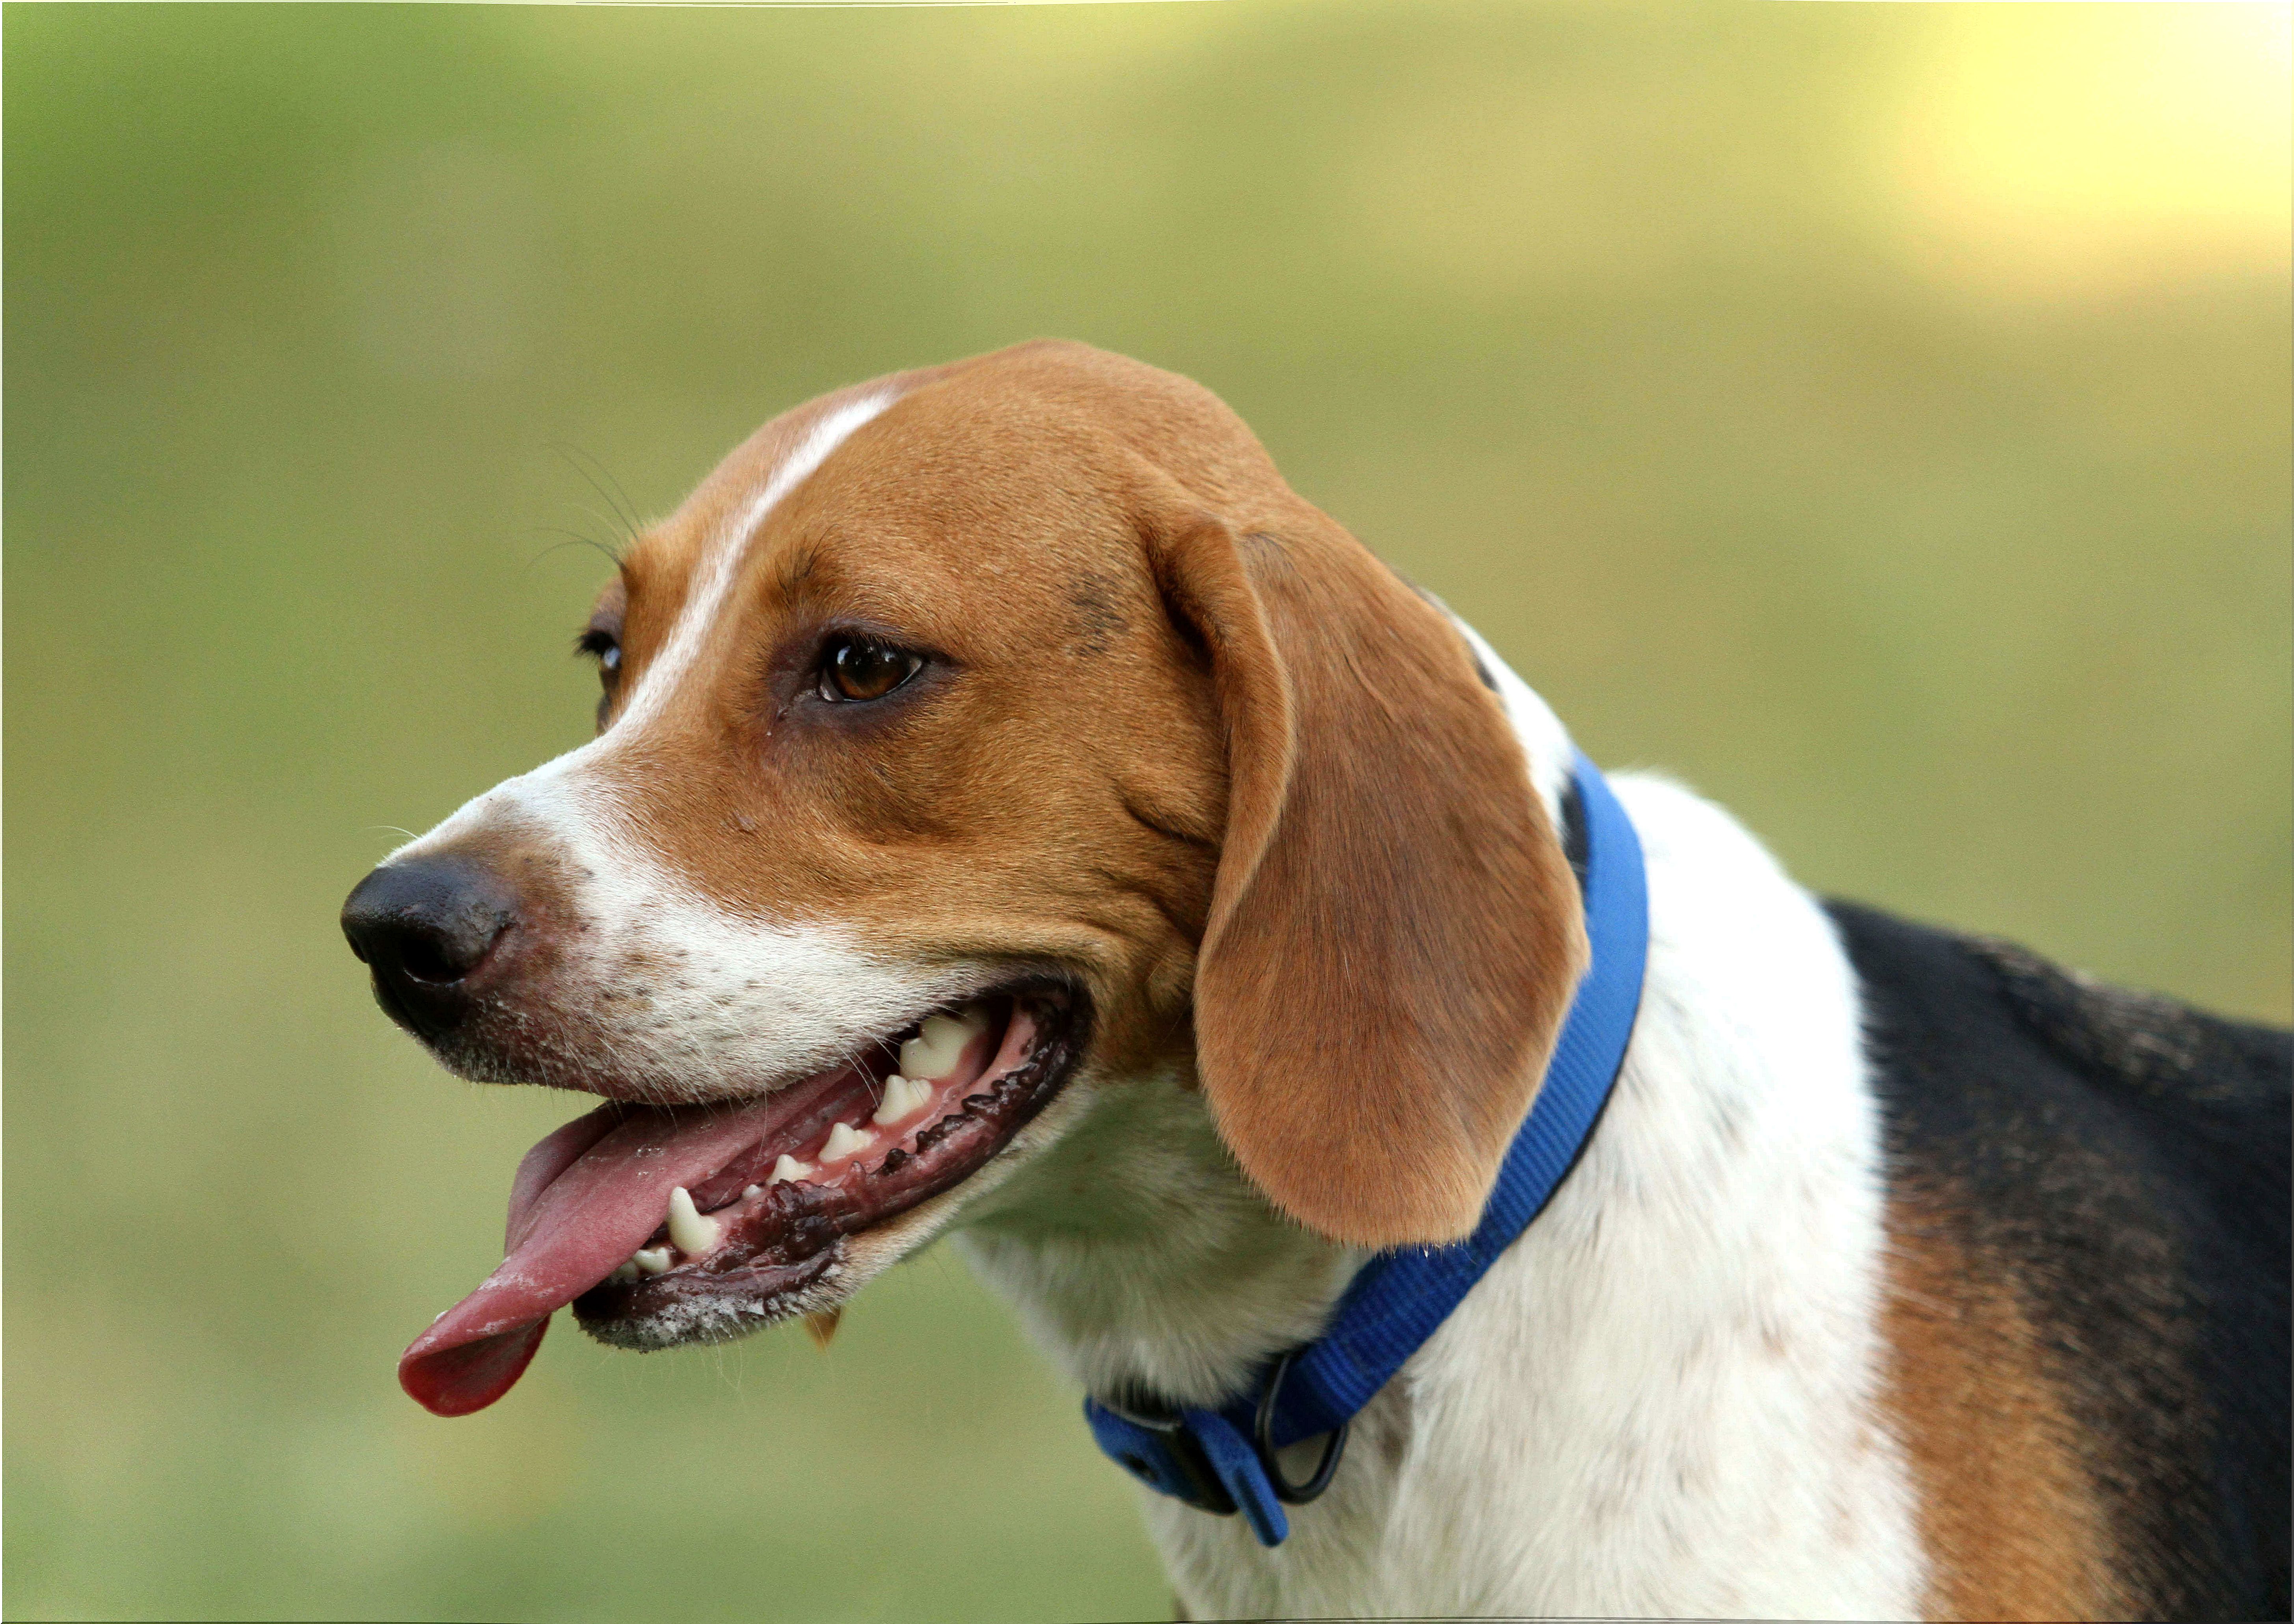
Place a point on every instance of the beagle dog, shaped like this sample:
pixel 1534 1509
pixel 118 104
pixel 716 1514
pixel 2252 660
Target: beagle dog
pixel 1016 814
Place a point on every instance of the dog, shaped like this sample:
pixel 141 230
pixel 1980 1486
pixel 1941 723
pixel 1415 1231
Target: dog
pixel 1015 813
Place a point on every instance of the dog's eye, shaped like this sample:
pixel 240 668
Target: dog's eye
pixel 857 669
pixel 605 649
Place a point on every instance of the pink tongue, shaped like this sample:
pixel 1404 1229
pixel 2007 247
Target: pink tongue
pixel 584 1198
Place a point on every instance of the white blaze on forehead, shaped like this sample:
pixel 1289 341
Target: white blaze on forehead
pixel 718 568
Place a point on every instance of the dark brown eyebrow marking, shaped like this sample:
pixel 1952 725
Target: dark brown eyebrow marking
pixel 1097 617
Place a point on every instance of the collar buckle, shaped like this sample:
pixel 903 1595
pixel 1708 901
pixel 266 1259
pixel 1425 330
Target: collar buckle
pixel 1175 1462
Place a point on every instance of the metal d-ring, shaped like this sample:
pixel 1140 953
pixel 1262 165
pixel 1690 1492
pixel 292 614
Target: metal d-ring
pixel 1263 1435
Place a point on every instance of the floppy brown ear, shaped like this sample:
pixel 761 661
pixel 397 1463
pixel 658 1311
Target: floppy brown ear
pixel 1394 934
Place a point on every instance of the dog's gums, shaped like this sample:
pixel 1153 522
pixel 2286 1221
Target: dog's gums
pixel 665 1225
pixel 946 1056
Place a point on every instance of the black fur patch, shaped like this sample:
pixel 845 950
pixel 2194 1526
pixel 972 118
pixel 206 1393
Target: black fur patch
pixel 2126 1158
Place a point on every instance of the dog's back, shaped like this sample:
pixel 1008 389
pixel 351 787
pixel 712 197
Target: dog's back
pixel 2089 1229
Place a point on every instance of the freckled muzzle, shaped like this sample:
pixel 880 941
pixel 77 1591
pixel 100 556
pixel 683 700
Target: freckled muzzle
pixel 487 950
pixel 677 1224
pixel 469 942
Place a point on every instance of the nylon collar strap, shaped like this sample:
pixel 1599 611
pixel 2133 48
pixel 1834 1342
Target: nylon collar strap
pixel 1219 1460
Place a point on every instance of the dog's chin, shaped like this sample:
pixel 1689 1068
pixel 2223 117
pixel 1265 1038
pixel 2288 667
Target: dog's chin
pixel 804 1245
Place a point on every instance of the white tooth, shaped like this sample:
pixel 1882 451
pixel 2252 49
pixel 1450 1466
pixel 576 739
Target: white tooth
pixel 653 1260
pixel 788 1170
pixel 902 1096
pixel 754 1190
pixel 938 1044
pixel 842 1141
pixel 692 1234
pixel 623 1275
pixel 919 1056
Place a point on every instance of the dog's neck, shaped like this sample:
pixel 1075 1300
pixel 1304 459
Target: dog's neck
pixel 1552 757
pixel 1137 1253
pixel 1141 1259
pixel 1701 1292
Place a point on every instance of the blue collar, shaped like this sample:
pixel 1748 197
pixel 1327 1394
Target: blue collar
pixel 1222 1460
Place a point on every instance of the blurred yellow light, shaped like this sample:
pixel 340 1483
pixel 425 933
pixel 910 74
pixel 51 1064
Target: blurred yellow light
pixel 2055 146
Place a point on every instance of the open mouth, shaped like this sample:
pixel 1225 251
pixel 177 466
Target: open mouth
pixel 682 1223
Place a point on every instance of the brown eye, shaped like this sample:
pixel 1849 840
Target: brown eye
pixel 858 670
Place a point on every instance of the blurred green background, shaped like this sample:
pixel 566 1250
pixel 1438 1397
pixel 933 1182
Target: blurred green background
pixel 1878 416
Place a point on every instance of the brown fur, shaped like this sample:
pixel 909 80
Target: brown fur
pixel 822 1327
pixel 1300 777
pixel 2009 1514
pixel 1395 936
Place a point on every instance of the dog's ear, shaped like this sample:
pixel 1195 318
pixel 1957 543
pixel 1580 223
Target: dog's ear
pixel 1394 934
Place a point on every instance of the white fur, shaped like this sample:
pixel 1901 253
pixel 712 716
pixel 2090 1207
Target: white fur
pixel 1659 1403
pixel 715 573
pixel 1552 758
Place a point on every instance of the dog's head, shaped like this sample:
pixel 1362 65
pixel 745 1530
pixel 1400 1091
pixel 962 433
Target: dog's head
pixel 970 739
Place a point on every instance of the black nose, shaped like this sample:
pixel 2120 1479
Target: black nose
pixel 424 926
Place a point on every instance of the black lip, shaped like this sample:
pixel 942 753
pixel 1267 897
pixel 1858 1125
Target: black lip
pixel 792 1239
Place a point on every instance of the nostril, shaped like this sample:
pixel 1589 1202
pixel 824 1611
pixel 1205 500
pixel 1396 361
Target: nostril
pixel 435 960
pixel 424 926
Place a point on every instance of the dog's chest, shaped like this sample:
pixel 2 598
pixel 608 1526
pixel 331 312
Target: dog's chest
pixel 1662 1401
pixel 1575 1445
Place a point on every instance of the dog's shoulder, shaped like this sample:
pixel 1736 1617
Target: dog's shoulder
pixel 1993 1064
pixel 2222 1077
pixel 2116 1165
